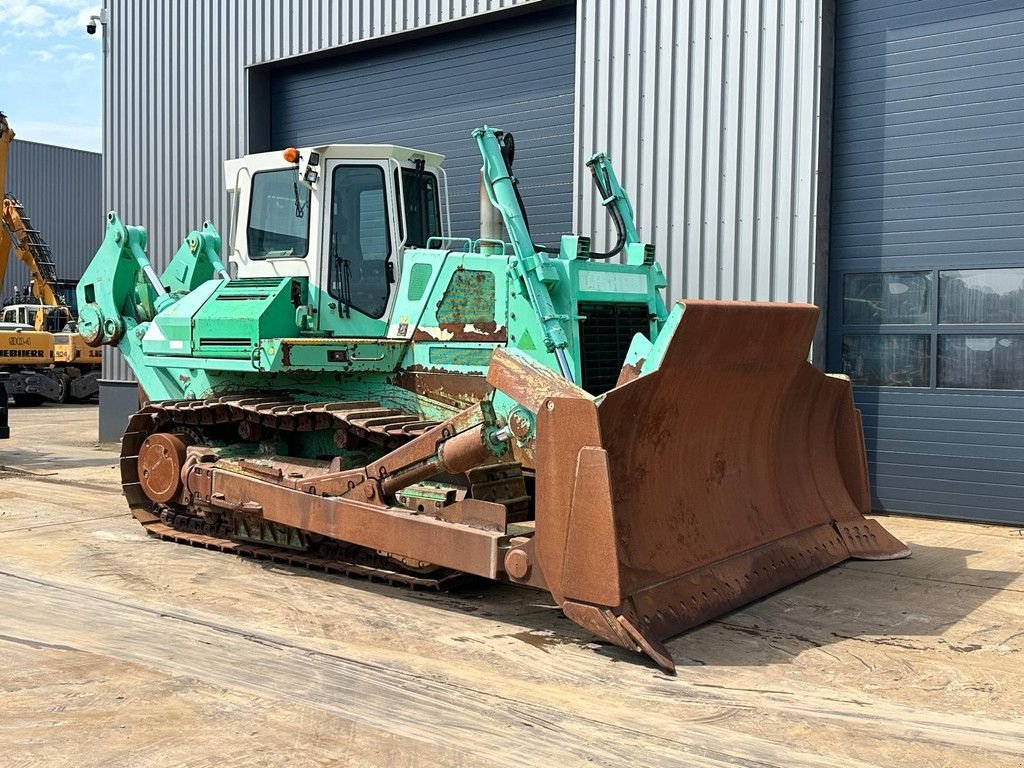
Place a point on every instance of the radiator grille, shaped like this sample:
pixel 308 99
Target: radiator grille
pixel 605 334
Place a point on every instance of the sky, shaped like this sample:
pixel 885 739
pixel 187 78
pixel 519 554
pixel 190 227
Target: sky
pixel 51 72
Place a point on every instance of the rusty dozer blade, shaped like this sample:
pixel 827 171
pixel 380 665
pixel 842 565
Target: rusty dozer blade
pixel 734 469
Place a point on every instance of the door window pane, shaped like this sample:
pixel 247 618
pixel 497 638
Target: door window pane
pixel 360 241
pixel 982 362
pixel 889 360
pixel 878 298
pixel 373 225
pixel 981 296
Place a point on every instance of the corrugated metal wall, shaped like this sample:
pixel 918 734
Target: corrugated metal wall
pixel 928 172
pixel 710 110
pixel 404 95
pixel 61 191
pixel 176 97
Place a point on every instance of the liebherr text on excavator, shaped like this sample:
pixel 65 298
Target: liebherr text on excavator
pixel 353 388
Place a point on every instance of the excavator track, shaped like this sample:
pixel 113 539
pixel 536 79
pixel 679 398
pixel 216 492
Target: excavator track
pixel 368 421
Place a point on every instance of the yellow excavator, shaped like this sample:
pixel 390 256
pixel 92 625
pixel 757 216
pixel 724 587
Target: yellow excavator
pixel 40 348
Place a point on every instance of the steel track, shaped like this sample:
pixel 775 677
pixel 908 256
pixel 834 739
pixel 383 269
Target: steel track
pixel 366 420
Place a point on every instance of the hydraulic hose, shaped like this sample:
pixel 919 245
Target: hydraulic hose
pixel 508 154
pixel 620 225
pixel 508 150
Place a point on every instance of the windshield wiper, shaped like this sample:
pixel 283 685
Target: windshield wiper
pixel 346 287
pixel 343 269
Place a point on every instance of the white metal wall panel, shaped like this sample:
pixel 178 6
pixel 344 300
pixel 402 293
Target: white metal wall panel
pixel 61 191
pixel 710 111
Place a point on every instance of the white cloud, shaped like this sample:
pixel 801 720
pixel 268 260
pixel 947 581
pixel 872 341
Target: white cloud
pixel 46 19
pixel 43 43
pixel 20 13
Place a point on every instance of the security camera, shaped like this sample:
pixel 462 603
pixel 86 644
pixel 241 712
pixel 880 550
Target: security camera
pixel 95 20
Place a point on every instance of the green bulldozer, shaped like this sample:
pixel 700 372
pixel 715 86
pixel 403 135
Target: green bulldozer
pixel 355 389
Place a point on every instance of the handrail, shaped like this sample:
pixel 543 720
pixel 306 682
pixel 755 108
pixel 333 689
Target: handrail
pixel 440 243
pixel 490 241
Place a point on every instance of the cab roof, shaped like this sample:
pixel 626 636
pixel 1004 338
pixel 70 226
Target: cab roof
pixel 275 159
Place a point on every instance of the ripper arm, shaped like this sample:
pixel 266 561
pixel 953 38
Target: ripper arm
pixel 120 292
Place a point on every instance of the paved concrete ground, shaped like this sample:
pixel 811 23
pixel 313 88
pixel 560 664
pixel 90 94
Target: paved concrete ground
pixel 120 650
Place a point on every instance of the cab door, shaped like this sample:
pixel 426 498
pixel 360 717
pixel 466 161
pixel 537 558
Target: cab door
pixel 361 249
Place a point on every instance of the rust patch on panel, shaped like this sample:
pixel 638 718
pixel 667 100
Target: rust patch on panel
pixel 455 389
pixel 487 330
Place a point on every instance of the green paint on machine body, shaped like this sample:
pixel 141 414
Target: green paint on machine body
pixel 302 325
pixel 525 412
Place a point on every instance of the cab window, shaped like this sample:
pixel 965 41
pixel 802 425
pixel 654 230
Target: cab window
pixel 278 216
pixel 359 247
pixel 422 207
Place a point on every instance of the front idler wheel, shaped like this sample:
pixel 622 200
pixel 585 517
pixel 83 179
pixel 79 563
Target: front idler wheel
pixel 161 459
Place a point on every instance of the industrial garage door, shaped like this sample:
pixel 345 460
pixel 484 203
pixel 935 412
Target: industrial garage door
pixel 515 73
pixel 927 249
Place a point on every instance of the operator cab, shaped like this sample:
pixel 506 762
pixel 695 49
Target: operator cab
pixel 53 319
pixel 340 216
pixel 17 315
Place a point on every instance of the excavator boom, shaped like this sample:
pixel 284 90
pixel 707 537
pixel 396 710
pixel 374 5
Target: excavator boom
pixel 16 230
pixel 6 137
pixel 33 251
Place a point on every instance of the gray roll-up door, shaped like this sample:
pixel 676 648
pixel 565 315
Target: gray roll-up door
pixel 926 308
pixel 516 73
